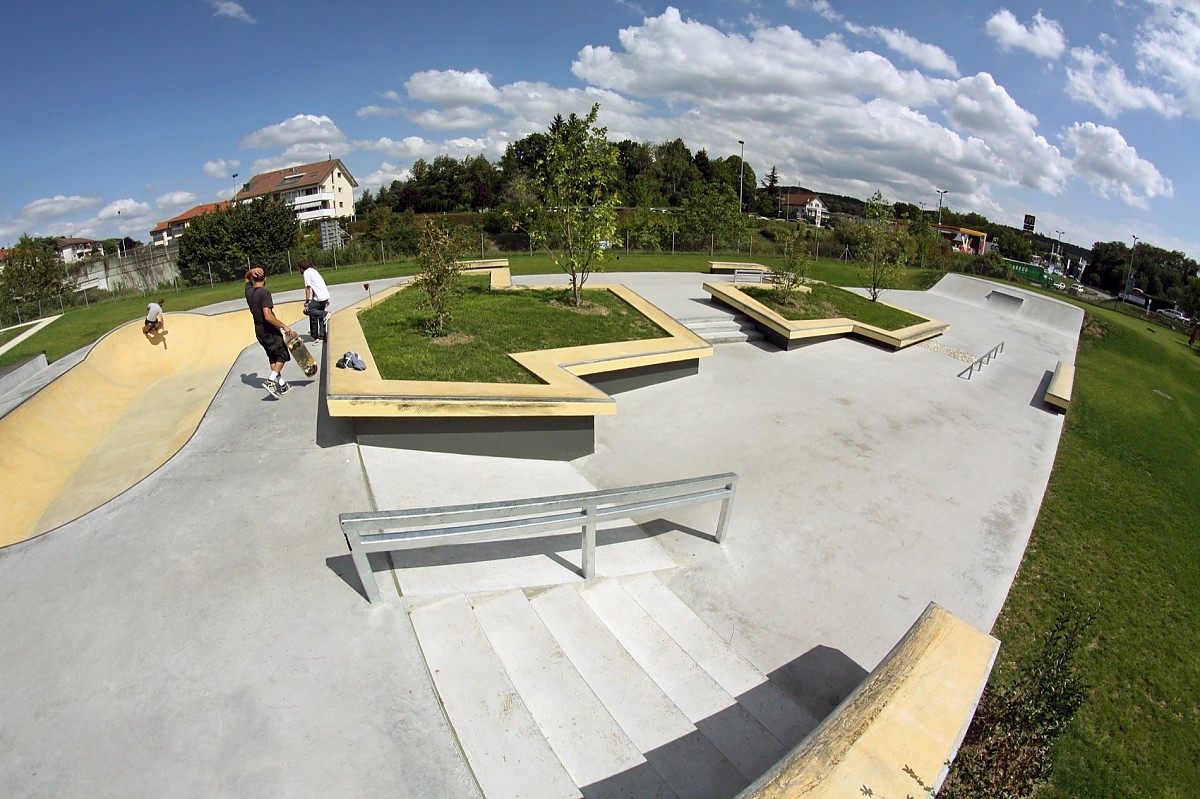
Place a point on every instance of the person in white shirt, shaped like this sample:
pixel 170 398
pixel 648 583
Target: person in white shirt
pixel 316 300
pixel 154 318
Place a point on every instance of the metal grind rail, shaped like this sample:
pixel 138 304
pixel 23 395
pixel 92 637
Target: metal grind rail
pixel 415 528
pixel 979 362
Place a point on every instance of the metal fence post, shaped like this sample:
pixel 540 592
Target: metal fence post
pixel 588 558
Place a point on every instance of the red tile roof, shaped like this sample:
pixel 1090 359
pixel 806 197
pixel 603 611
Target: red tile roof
pixel 192 213
pixel 283 179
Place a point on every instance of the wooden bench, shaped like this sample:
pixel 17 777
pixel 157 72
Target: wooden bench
pixel 753 276
pixel 741 271
pixel 1058 392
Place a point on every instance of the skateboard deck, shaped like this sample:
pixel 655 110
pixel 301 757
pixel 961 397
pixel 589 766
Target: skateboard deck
pixel 300 353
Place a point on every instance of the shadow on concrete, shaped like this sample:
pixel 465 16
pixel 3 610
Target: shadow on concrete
pixel 701 763
pixel 1038 400
pixel 330 431
pixel 820 679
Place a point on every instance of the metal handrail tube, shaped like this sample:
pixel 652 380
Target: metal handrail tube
pixel 978 363
pixel 386 531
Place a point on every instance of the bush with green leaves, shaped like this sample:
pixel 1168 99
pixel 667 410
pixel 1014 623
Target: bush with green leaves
pixel 1008 750
pixel 439 250
pixel 793 272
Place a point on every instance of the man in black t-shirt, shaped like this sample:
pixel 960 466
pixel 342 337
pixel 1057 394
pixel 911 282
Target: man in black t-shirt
pixel 268 329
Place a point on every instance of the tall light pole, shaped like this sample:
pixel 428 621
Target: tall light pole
pixel 940 194
pixel 1129 271
pixel 120 236
pixel 741 175
pixel 1060 258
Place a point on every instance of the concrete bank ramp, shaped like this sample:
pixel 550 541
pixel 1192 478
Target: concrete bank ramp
pixel 114 418
pixel 1007 299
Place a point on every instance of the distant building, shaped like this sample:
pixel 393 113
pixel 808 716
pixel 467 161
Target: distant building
pixel 324 190
pixel 72 250
pixel 963 239
pixel 806 206
pixel 166 232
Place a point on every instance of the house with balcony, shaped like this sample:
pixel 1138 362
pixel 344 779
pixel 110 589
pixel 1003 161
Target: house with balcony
pixel 808 207
pixel 166 232
pixel 72 250
pixel 324 190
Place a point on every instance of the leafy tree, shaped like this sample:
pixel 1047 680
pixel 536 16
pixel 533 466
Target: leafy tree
pixel 710 209
pixel 34 271
pixel 258 232
pixel 883 252
pixel 1189 298
pixel 1015 246
pixel 574 185
pixel 439 250
pixel 675 168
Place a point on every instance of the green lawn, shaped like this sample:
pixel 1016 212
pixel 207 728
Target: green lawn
pixel 830 302
pixel 489 325
pixel 1119 529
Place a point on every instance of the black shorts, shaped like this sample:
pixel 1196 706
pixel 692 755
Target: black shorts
pixel 275 347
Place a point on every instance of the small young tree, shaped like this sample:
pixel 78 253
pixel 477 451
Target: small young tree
pixel 438 252
pixel 574 217
pixel 883 251
pixel 796 264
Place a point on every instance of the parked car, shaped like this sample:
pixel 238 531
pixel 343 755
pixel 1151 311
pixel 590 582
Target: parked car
pixel 1171 313
pixel 1076 288
pixel 1061 286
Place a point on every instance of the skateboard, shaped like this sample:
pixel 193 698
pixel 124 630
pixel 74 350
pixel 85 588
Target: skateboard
pixel 300 353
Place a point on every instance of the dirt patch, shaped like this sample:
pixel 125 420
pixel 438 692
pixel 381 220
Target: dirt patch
pixel 585 308
pixel 452 339
pixel 1093 328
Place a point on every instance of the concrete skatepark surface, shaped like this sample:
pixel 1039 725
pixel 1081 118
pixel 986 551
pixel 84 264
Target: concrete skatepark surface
pixel 203 632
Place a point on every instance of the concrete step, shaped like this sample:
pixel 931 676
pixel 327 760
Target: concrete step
pixel 592 747
pixel 504 746
pixel 734 732
pixel 609 688
pixel 786 720
pixel 723 329
pixel 687 760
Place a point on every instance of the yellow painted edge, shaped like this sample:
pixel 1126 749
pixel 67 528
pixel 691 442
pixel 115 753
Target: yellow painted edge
pixel 797 329
pixel 911 712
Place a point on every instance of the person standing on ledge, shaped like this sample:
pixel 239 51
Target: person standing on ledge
pixel 268 329
pixel 316 300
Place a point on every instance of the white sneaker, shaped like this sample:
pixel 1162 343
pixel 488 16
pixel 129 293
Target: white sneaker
pixel 272 388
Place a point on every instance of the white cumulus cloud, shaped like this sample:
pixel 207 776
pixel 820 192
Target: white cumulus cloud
pixel 1112 167
pixel 302 129
pixel 1043 37
pixel 226 8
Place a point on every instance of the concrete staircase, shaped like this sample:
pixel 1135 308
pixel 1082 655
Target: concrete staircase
pixel 723 329
pixel 605 689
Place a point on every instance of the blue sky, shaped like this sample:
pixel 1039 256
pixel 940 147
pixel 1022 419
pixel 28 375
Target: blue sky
pixel 1083 113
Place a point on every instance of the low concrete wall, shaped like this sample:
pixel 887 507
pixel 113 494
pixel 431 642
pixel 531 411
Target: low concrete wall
pixel 910 714
pixel 13 376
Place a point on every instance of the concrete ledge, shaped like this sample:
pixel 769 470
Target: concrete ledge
pixel 733 267
pixel 15 375
pixel 565 391
pixel 789 334
pixel 1062 382
pixel 912 712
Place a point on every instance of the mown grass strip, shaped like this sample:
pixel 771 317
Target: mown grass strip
pixel 1119 529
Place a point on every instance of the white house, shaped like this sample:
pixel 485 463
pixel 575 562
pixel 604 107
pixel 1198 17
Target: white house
pixel 805 206
pixel 324 190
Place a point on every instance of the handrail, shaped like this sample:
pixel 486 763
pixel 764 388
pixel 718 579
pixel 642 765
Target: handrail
pixel 413 528
pixel 978 363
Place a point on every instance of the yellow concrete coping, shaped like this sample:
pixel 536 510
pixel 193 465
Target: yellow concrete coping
pixel 115 417
pixel 564 392
pixel 910 714
pixel 1062 383
pixel 795 330
pixel 727 267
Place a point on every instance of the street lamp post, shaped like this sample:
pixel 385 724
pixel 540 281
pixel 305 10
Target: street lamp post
pixel 741 175
pixel 1059 259
pixel 1129 271
pixel 120 237
pixel 940 193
